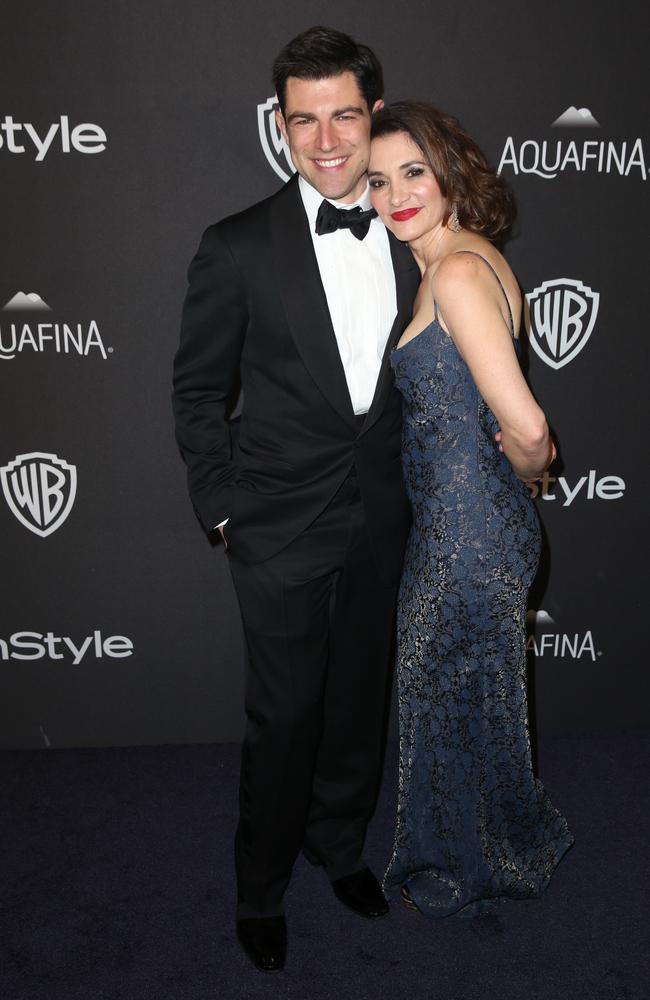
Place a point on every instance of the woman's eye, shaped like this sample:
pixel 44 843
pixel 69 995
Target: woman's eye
pixel 414 172
pixel 376 184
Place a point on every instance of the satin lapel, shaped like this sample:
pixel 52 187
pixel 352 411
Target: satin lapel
pixel 407 281
pixel 303 297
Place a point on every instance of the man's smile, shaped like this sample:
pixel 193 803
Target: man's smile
pixel 329 164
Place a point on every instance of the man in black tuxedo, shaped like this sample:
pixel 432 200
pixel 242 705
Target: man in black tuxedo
pixel 305 302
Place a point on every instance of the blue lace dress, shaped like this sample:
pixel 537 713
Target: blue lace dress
pixel 474 826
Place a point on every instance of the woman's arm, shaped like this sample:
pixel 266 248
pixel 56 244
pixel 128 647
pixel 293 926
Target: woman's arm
pixel 469 305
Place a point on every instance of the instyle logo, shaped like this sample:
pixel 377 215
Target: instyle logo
pixel 556 644
pixel 588 487
pixel 60 136
pixel 273 144
pixel 560 316
pixel 34 336
pixel 38 645
pixel 40 489
pixel 550 157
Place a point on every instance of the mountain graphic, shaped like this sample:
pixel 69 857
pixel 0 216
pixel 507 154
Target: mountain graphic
pixel 540 617
pixel 30 301
pixel 576 118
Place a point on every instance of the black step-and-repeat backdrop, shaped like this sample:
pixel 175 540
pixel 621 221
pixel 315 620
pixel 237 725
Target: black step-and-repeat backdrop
pixel 125 128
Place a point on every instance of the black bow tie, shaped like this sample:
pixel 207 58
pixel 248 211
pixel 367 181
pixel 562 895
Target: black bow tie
pixel 330 218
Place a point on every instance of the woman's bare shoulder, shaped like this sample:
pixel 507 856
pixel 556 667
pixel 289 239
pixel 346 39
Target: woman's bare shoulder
pixel 459 271
pixel 470 271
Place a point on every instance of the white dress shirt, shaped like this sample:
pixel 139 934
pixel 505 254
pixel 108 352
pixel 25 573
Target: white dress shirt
pixel 359 284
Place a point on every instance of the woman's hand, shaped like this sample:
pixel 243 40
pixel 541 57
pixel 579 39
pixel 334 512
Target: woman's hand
pixel 549 462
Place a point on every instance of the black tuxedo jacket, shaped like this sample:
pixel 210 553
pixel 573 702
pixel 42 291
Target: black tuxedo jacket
pixel 256 305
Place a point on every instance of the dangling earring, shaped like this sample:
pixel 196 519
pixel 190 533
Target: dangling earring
pixel 454 223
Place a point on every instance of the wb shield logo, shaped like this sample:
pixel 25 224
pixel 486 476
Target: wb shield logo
pixel 40 490
pixel 274 146
pixel 560 317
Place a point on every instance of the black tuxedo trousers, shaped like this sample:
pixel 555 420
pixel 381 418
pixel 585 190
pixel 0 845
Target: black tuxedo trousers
pixel 318 623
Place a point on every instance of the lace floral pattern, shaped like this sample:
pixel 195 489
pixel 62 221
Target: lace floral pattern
pixel 474 826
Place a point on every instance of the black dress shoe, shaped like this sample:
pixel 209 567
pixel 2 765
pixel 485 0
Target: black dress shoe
pixel 264 939
pixel 362 893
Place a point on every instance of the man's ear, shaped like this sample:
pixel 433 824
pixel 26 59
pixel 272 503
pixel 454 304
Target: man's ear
pixel 376 106
pixel 280 122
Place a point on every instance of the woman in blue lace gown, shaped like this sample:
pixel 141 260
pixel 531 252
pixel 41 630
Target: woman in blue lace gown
pixel 474 826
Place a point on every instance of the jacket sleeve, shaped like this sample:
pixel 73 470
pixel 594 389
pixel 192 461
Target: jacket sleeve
pixel 214 321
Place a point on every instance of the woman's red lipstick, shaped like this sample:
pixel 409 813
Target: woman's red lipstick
pixel 408 213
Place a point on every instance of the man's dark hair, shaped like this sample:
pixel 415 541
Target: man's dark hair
pixel 318 53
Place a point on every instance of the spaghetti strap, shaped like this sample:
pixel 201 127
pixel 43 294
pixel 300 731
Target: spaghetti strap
pixel 486 261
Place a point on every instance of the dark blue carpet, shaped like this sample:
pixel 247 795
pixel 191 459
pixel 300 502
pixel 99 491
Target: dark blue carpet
pixel 118 885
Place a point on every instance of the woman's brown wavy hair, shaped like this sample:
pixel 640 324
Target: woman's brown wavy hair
pixel 483 201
